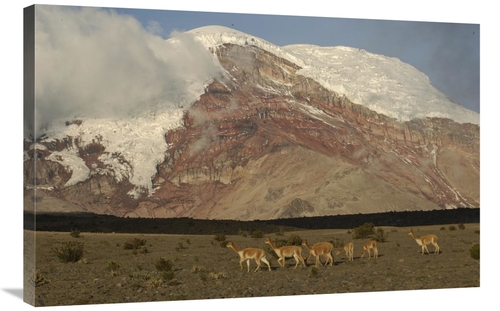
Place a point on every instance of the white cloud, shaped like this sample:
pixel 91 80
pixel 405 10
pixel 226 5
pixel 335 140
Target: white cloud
pixel 93 62
pixel 154 28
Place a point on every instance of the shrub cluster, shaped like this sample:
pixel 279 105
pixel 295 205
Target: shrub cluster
pixel 367 230
pixel 69 251
pixel 164 265
pixel 364 231
pixel 220 237
pixel 134 243
pixel 180 246
pixel 38 279
pixel 294 239
pixel 113 266
pixel 380 236
pixel 75 233
pixel 243 233
pixel 336 242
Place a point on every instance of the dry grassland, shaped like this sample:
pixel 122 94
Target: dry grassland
pixel 203 268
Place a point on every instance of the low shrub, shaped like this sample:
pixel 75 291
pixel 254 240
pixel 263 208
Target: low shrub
pixel 223 243
pixel 75 233
pixel 134 243
pixel 294 239
pixel 257 234
pixel 243 233
pixel 217 275
pixel 461 226
pixel 167 275
pixel 220 237
pixel 180 246
pixel 113 266
pixel 154 283
pixel 364 231
pixel 474 251
pixel 196 269
pixel 314 271
pixel 380 236
pixel 203 277
pixel 69 252
pixel 164 265
pixel 336 242
pixel 38 279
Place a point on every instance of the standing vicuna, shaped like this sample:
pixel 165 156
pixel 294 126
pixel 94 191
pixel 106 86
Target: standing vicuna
pixel 250 253
pixel 424 240
pixel 349 251
pixel 318 249
pixel 286 252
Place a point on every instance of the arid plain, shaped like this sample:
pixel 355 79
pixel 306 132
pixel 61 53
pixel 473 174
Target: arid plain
pixel 185 267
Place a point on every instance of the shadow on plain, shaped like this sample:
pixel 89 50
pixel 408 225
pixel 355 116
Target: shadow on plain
pixel 16 292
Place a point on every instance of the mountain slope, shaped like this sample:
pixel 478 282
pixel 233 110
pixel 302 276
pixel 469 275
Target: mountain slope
pixel 271 138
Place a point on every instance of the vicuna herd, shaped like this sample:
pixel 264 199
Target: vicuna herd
pixel 317 250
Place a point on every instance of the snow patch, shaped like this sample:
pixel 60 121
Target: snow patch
pixel 72 162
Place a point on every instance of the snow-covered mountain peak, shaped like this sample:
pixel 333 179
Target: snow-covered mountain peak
pixel 384 84
pixel 212 36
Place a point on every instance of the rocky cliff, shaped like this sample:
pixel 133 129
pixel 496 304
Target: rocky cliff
pixel 265 142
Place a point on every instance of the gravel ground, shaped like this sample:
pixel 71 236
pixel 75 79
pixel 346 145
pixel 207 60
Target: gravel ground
pixel 202 268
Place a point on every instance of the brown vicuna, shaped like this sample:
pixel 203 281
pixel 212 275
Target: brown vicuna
pixel 318 249
pixel 285 252
pixel 424 240
pixel 256 254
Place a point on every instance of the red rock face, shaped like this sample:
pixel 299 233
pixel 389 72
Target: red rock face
pixel 264 142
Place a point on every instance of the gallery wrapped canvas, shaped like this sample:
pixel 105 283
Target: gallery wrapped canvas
pixel 183 155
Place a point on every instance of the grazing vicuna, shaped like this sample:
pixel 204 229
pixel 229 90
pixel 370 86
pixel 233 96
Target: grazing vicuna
pixel 368 246
pixel 349 251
